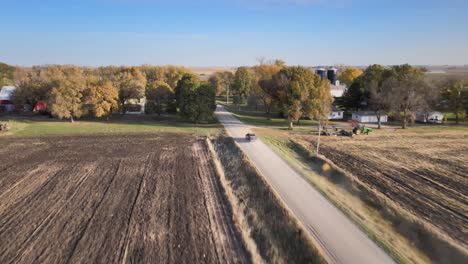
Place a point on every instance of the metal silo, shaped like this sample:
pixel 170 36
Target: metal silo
pixel 322 73
pixel 332 75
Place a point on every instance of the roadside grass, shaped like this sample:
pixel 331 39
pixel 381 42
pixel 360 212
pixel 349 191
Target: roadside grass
pixel 39 125
pixel 397 232
pixel 259 118
pixel 276 233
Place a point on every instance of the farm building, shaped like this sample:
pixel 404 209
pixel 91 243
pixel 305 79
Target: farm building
pixel 368 117
pixel 337 90
pixel 434 117
pixel 335 114
pixel 135 106
pixel 6 105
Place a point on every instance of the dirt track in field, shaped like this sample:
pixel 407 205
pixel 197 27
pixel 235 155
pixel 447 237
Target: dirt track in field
pixel 108 199
pixel 425 173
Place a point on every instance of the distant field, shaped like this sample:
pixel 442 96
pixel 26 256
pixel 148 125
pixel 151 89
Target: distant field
pixel 211 70
pixel 446 72
pixel 109 199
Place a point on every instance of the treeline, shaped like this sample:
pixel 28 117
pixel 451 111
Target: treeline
pixel 297 91
pixel 72 92
pixel 403 91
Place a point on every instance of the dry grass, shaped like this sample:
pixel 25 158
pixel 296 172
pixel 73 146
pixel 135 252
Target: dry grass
pixel 238 217
pixel 277 235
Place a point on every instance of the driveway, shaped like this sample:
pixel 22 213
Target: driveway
pixel 339 238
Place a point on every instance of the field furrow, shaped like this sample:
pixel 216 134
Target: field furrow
pixel 109 199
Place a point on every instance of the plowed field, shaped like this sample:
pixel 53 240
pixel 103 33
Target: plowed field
pixel 108 199
pixel 425 173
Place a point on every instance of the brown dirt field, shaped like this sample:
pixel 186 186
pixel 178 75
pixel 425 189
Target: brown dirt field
pixel 424 173
pixel 107 199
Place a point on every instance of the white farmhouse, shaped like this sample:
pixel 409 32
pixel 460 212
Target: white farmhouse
pixel 335 114
pixel 6 94
pixel 135 106
pixel 368 117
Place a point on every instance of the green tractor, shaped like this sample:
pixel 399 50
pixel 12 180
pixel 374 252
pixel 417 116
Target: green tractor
pixel 361 129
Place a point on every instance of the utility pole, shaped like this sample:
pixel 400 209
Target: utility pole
pixel 318 139
pixel 227 95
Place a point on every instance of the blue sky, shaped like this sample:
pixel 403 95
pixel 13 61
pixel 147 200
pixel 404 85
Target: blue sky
pixel 233 32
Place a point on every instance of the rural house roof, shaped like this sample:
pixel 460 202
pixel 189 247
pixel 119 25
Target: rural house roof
pixel 6 92
pixel 364 113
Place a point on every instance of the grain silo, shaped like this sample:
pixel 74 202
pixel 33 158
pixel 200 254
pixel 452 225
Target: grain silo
pixel 332 75
pixel 322 73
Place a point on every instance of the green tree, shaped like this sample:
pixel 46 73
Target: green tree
pixel 159 95
pixel 357 95
pixel 104 97
pixel 264 86
pixel 196 100
pixel 183 90
pixel 131 83
pixel 201 104
pixel 242 84
pixel 455 93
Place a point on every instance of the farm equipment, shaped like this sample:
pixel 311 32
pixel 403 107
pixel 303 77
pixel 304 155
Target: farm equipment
pixel 361 129
pixel 347 131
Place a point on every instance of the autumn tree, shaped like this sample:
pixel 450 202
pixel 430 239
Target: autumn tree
pixel 107 73
pixel 168 74
pixel 293 88
pixel 7 73
pixel 66 96
pixel 158 95
pixel 264 86
pixel 242 84
pixel 279 63
pixel 455 93
pixel 319 99
pixel 103 96
pixel 349 74
pixel 32 85
pixel 131 83
pixel 222 82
